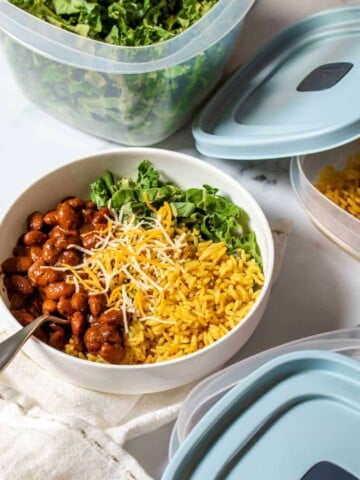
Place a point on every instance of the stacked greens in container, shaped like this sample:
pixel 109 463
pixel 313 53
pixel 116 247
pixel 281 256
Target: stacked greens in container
pixel 135 102
pixel 121 22
pixel 139 108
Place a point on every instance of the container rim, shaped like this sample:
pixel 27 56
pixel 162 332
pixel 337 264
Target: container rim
pixel 73 49
pixel 339 219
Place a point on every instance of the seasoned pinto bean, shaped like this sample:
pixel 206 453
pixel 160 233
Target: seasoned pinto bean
pixel 49 306
pixel 23 316
pixel 70 257
pixel 62 238
pixel 17 301
pixel 87 228
pixel 35 221
pixel 64 307
pixel 97 304
pixel 90 240
pixel 112 317
pixel 50 252
pixel 76 203
pixel 40 276
pixel 51 218
pixel 79 301
pixel 99 333
pixel 35 253
pixel 21 284
pixel 100 216
pixel 48 276
pixel 35 271
pixel 67 216
pixel 56 290
pixel 56 232
pixel 18 264
pixel 57 338
pixel 77 343
pixel 67 240
pixel 87 215
pixel 77 323
pixel 113 353
pixel 34 237
pixel 93 338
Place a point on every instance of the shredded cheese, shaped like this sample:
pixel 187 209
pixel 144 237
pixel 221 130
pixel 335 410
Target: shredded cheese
pixel 130 264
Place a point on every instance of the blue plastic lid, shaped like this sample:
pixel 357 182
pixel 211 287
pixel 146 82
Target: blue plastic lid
pixel 300 94
pixel 295 418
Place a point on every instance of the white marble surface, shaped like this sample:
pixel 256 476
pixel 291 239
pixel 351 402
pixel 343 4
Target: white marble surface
pixel 318 286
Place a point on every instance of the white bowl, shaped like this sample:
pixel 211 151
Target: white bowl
pixel 74 179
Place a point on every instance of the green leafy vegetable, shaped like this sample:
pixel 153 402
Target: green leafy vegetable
pixel 148 177
pixel 203 209
pixel 120 22
pixel 103 189
pixel 133 109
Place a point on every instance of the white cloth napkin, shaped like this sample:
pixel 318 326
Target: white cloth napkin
pixel 51 430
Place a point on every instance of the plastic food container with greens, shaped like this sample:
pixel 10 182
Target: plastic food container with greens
pixel 71 63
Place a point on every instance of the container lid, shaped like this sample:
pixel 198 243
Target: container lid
pixel 298 95
pixel 210 390
pixel 296 418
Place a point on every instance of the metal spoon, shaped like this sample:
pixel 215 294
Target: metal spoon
pixel 10 347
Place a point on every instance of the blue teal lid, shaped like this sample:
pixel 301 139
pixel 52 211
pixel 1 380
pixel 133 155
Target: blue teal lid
pixel 300 94
pixel 295 418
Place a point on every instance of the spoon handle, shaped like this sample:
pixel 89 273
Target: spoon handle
pixel 10 346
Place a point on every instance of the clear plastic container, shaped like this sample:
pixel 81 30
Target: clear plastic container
pixel 212 389
pixel 339 225
pixel 130 95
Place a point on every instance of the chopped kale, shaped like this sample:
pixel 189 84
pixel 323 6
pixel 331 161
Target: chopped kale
pixel 121 22
pixel 216 217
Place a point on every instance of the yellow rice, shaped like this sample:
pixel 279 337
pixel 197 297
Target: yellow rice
pixel 204 300
pixel 342 186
